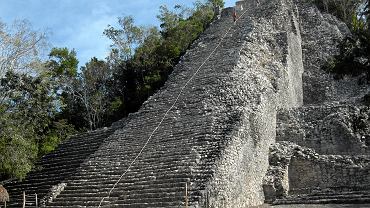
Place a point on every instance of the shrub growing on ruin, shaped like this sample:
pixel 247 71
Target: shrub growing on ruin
pixel 354 51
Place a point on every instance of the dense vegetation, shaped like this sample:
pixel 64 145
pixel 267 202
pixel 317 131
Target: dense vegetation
pixel 43 102
pixel 354 56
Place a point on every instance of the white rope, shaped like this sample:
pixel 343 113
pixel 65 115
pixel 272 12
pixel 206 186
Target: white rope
pixel 165 115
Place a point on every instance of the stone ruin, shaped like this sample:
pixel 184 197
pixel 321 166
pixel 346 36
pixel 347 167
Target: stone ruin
pixel 261 122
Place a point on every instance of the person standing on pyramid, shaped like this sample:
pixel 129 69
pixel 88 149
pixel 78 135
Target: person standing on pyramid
pixel 234 15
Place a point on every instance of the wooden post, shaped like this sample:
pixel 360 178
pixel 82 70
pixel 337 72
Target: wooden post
pixel 207 199
pixel 186 195
pixel 36 202
pixel 24 200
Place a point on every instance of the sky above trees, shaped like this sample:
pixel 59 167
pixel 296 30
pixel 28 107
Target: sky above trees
pixel 79 24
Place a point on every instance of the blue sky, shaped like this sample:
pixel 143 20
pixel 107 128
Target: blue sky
pixel 79 24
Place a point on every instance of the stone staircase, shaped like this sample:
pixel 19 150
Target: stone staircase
pixel 56 167
pixel 177 156
pixel 181 153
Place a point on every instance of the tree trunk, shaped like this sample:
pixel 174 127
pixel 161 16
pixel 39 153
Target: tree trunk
pixel 24 200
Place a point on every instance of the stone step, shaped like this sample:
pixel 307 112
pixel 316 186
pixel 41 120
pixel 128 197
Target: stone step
pixel 129 179
pixel 325 201
pixel 164 198
pixel 175 204
pixel 117 205
pixel 121 191
pixel 327 198
pixel 168 182
pixel 75 150
pixel 78 202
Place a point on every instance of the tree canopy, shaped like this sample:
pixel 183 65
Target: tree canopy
pixel 20 47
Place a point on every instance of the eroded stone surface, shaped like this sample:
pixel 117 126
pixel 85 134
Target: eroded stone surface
pixel 328 129
pixel 321 34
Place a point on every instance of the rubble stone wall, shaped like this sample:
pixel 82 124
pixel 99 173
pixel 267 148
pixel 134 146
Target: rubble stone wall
pixel 299 170
pixel 307 174
pixel 328 129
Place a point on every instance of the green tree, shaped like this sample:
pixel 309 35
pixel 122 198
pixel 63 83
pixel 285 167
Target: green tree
pixel 170 19
pixel 145 56
pixel 30 98
pixel 29 127
pixel 126 37
pixel 20 47
pixel 25 114
pixel 93 92
pixel 62 71
pixel 57 131
pixel 63 62
pixel 215 3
